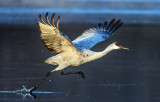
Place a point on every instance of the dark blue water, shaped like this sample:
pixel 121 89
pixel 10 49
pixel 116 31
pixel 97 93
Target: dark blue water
pixel 120 76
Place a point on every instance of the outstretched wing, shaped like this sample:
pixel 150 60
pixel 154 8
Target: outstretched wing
pixel 96 34
pixel 54 40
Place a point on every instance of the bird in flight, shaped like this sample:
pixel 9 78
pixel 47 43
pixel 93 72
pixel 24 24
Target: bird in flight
pixel 76 52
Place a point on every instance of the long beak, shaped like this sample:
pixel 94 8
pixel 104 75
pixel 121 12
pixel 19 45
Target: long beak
pixel 121 47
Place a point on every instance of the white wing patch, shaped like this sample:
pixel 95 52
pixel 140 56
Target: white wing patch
pixel 86 34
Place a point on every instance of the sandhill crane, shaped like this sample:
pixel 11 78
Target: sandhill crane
pixel 76 52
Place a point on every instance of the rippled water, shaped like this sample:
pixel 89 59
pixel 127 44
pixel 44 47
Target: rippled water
pixel 120 76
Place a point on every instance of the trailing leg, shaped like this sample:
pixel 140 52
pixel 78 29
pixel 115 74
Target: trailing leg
pixel 60 67
pixel 80 73
pixel 35 87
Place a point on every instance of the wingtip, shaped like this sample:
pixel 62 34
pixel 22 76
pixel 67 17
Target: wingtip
pixel 104 25
pixel 99 25
pixel 57 23
pixel 113 19
pixel 46 16
pixel 40 16
pixel 117 27
pixel 114 25
pixel 110 24
pixel 52 18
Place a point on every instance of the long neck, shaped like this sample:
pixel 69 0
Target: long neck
pixel 97 55
pixel 103 53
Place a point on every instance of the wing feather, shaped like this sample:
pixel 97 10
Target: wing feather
pixel 47 19
pixel 40 17
pixel 54 40
pixel 52 19
pixel 96 34
pixel 104 25
pixel 57 23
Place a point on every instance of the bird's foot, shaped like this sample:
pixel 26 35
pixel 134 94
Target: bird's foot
pixel 82 75
pixel 32 89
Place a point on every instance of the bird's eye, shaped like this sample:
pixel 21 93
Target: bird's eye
pixel 116 44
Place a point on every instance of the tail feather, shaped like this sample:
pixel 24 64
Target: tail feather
pixel 50 61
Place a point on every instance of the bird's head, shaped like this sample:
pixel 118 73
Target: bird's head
pixel 89 55
pixel 115 45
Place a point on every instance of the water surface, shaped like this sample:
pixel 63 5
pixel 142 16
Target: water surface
pixel 120 76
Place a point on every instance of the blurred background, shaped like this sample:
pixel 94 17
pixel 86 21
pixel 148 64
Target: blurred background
pixel 88 11
pixel 120 76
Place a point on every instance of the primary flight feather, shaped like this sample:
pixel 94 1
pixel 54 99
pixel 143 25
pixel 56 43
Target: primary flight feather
pixel 76 52
pixel 52 38
pixel 96 34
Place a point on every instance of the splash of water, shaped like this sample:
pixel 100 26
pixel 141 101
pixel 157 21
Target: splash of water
pixel 24 90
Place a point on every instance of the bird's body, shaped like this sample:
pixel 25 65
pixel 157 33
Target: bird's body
pixel 76 52
pixel 76 59
pixel 73 59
